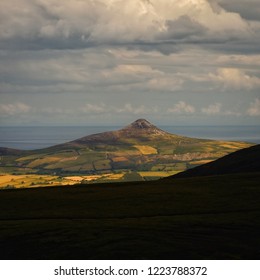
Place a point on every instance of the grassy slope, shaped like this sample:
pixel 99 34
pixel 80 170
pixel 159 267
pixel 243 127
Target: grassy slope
pixel 86 159
pixel 194 218
pixel 139 146
pixel 245 160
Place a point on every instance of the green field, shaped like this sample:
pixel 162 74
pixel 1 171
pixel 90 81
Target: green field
pixel 139 147
pixel 215 217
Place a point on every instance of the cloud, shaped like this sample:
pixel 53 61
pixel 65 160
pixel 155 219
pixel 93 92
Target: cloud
pixel 93 108
pixel 129 73
pixel 182 28
pixel 216 109
pixel 249 9
pixel 137 110
pixel 127 108
pixel 53 111
pixel 181 108
pixel 74 24
pixel 213 109
pixel 254 109
pixel 107 58
pixel 14 109
pixel 235 78
pixel 241 61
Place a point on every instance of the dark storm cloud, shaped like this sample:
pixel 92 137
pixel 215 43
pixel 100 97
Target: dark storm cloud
pixel 183 28
pixel 249 9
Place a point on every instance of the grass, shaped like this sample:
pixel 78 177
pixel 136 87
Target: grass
pixel 102 165
pixel 214 217
pixel 146 150
pixel 157 173
pixel 199 162
pixel 28 181
pixel 143 152
pixel 37 180
pixel 43 161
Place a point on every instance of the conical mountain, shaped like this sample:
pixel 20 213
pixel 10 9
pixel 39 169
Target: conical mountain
pixel 142 126
pixel 139 146
pixel 138 129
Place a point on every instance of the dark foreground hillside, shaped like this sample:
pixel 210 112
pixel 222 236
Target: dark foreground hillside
pixel 214 217
pixel 244 160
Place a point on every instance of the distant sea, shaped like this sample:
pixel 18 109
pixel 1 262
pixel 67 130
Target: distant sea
pixel 29 138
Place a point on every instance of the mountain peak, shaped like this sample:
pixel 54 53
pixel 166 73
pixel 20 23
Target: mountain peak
pixel 141 124
pixel 138 128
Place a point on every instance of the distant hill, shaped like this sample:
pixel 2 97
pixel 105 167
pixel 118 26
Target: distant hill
pixel 139 146
pixel 140 130
pixel 242 161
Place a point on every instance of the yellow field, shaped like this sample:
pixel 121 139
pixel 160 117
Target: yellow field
pixel 115 176
pixel 36 180
pixel 32 180
pixel 69 159
pixel 29 157
pixel 119 159
pixel 41 161
pixel 74 178
pixel 199 162
pixel 146 150
pixel 5 179
pixel 157 173
pixel 27 181
pixel 78 179
pixel 234 145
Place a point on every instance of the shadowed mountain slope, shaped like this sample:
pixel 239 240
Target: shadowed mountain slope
pixel 242 161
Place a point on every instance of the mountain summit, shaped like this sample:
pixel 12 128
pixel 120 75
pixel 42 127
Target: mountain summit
pixel 142 126
pixel 138 129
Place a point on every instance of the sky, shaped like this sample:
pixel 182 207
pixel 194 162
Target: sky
pixel 110 62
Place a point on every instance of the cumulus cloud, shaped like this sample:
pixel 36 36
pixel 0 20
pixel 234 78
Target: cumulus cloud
pixel 94 108
pixel 182 28
pixel 181 108
pixel 14 109
pixel 154 24
pixel 53 111
pixel 254 109
pixel 249 9
pixel 129 73
pixel 136 110
pixel 235 78
pixel 212 109
pixel 127 108
pixel 128 57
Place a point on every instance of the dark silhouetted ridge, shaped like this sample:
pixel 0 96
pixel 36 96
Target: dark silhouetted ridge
pixel 242 161
pixel 9 151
